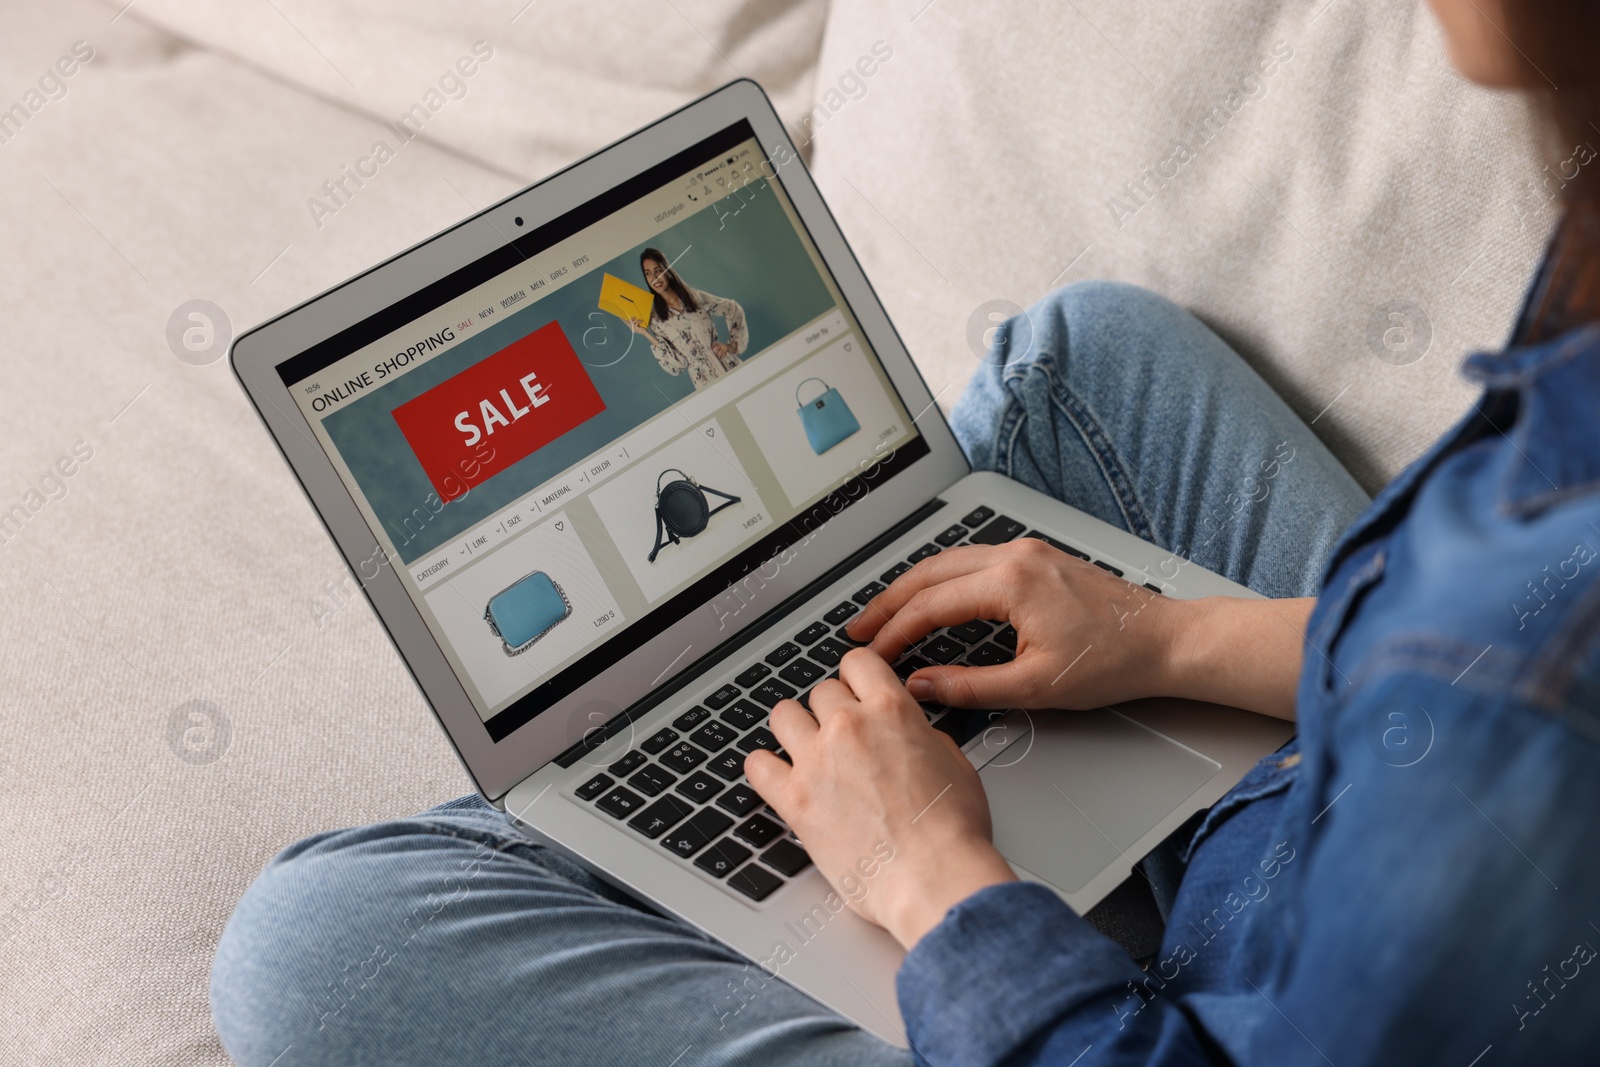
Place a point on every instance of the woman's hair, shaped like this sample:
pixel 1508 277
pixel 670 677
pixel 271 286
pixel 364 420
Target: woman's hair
pixel 1556 41
pixel 658 307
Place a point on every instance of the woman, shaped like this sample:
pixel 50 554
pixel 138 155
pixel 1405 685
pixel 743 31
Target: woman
pixel 1414 881
pixel 681 331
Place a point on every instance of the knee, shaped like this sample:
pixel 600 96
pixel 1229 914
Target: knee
pixel 1078 324
pixel 1094 316
pixel 1113 339
pixel 1103 296
pixel 320 924
pixel 274 979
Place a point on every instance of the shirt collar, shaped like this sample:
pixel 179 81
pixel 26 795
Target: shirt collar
pixel 1556 432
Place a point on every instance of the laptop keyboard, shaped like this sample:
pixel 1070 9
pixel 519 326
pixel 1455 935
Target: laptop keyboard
pixel 684 785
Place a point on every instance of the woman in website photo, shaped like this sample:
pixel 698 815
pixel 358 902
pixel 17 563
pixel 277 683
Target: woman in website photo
pixel 682 333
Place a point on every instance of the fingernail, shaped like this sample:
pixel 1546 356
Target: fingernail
pixel 920 689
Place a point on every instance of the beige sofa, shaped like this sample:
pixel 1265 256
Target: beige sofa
pixel 189 686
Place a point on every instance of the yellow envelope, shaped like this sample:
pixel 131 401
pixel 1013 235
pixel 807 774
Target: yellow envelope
pixel 625 300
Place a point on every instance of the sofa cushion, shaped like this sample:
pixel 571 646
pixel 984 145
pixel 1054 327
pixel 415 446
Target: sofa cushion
pixel 1295 174
pixel 563 77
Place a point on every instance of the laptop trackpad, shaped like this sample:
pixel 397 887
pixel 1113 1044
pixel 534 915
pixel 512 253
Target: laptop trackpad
pixel 1069 799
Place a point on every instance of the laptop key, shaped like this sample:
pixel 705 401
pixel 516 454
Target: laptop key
pixel 752 674
pixel 683 757
pixel 923 553
pixel 595 786
pixel 906 666
pixel 722 697
pixel 758 830
pixel 783 653
pixel 652 780
pixel 813 633
pixel 714 736
pixel 786 856
pixel 977 517
pixel 829 651
pixel 771 691
pixel 699 787
pixel 743 715
pixel 963 724
pixel 755 882
pixel 840 613
pixel 942 649
pixel 692 836
pixel 727 766
pixel 989 654
pixel 722 858
pixel 951 536
pixel 845 639
pixel 1007 637
pixel 999 531
pixel 661 816
pixel 691 718
pixel 1058 545
pixel 802 672
pixel 741 800
pixel 1155 588
pixel 1103 565
pixel 761 737
pixel 888 576
pixel 658 740
pixel 867 592
pixel 970 632
pixel 620 803
pixel 627 764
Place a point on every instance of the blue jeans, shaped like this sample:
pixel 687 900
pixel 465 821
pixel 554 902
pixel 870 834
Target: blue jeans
pixel 449 937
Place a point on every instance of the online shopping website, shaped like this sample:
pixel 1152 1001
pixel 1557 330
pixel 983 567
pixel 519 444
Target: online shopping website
pixel 575 444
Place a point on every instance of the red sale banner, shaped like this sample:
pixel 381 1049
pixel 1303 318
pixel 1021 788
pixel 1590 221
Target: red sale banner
pixel 513 403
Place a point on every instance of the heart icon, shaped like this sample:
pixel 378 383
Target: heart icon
pixel 711 431
pixel 560 525
pixel 848 347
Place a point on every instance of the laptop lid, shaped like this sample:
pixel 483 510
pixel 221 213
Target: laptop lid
pixel 576 443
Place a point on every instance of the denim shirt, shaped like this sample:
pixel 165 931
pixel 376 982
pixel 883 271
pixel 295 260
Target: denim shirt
pixel 1420 881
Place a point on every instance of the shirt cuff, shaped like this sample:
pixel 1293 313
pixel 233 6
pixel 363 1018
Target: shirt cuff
pixel 1001 966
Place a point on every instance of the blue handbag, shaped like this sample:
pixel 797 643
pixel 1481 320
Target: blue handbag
pixel 525 611
pixel 826 418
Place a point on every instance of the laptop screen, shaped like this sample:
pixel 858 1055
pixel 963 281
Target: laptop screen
pixel 566 447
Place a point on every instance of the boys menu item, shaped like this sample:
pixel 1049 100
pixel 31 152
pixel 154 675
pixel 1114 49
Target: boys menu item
pixel 515 401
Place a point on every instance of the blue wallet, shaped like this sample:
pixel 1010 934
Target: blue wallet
pixel 827 419
pixel 525 611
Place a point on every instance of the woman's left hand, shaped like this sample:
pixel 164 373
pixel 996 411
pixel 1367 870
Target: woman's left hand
pixel 889 809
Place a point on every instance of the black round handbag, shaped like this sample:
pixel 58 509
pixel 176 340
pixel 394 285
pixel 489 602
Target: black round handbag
pixel 682 509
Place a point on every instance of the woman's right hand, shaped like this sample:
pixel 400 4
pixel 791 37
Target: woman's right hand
pixel 637 325
pixel 1085 638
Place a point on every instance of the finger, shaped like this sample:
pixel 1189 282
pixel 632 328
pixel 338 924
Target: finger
pixel 829 697
pixel 1006 685
pixel 983 594
pixel 794 728
pixel 948 564
pixel 769 776
pixel 869 677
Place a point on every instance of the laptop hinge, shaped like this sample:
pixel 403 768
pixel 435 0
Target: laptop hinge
pixel 600 735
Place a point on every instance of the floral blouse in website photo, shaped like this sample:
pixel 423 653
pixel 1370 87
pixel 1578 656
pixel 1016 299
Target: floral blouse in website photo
pixel 688 340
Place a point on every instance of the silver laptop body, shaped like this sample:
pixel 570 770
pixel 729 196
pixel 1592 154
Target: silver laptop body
pixel 604 553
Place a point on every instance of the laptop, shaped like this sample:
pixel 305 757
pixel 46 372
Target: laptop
pixel 617 459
